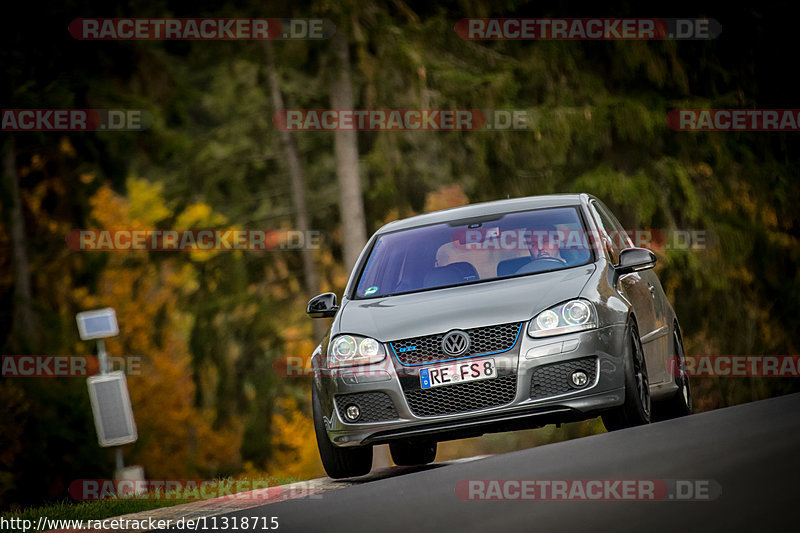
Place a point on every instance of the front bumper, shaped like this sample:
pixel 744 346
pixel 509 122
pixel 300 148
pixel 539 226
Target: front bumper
pixel 532 404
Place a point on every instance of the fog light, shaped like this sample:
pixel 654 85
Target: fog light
pixel 352 413
pixel 579 378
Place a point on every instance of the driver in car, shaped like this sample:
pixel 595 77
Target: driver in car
pixel 545 244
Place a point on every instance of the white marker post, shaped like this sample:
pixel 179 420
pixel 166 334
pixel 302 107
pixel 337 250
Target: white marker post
pixel 108 391
pixel 98 325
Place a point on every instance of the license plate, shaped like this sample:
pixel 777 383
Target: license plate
pixel 474 370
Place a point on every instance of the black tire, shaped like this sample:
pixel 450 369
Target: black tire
pixel 412 453
pixel 680 403
pixel 338 462
pixel 635 411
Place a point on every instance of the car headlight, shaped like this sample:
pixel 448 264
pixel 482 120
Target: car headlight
pixel 351 350
pixel 569 317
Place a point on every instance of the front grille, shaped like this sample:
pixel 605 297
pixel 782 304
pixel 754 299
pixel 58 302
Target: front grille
pixel 488 339
pixel 463 397
pixel 374 406
pixel 554 379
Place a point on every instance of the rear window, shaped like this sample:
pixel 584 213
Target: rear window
pixel 476 250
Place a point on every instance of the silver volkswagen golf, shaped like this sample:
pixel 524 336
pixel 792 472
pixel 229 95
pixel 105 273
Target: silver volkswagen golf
pixel 493 317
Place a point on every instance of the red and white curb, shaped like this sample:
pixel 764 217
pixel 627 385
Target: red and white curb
pixel 311 489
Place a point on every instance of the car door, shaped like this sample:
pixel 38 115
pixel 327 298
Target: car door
pixel 636 288
pixel 660 338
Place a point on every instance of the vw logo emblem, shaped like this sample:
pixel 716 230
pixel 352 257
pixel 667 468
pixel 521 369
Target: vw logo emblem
pixel 455 343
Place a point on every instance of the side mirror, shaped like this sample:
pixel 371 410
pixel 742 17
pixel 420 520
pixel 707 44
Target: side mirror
pixel 322 306
pixel 634 260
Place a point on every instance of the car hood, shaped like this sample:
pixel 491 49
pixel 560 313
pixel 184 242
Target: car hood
pixel 469 306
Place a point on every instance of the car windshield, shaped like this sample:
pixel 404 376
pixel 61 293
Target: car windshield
pixel 474 250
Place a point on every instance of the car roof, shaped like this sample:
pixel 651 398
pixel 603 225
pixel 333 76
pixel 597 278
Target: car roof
pixel 486 209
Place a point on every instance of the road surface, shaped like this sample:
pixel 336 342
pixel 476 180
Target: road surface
pixel 750 454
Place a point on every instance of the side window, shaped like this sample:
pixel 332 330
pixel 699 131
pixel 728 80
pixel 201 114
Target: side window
pixel 620 237
pixel 614 237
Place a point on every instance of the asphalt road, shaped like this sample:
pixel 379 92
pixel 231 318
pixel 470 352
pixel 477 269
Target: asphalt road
pixel 751 453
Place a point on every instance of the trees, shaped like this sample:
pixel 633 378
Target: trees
pixel 23 330
pixel 351 202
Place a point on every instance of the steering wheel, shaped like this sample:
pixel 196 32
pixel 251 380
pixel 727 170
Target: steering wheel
pixel 540 264
pixel 557 260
